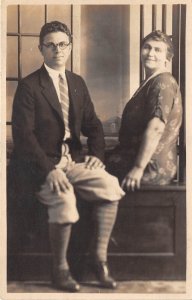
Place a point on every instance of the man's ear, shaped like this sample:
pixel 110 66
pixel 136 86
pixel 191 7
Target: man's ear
pixel 70 47
pixel 69 50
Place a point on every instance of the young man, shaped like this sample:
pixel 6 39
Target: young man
pixel 51 108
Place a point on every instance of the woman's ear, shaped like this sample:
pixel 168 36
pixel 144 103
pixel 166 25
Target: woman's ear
pixel 167 62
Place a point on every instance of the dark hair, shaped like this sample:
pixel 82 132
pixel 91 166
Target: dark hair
pixel 54 26
pixel 158 35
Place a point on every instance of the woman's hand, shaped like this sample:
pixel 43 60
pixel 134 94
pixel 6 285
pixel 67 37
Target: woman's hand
pixel 58 181
pixel 92 162
pixel 133 179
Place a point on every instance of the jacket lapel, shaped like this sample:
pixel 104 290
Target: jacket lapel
pixel 49 92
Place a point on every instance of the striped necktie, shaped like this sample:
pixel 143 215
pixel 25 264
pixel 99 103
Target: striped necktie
pixel 64 97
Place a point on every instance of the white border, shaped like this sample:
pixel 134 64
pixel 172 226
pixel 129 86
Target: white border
pixel 36 296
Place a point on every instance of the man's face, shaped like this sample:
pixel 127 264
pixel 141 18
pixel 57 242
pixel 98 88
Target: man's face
pixel 54 56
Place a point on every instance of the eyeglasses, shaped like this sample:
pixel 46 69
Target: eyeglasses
pixel 52 46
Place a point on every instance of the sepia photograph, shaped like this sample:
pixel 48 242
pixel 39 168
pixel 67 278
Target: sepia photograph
pixel 95 150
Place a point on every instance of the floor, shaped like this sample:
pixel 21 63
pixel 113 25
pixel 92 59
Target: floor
pixel 92 287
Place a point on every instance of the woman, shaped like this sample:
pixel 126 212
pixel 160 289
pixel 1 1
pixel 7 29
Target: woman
pixel 147 150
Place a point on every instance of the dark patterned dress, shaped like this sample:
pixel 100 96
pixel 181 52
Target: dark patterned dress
pixel 159 97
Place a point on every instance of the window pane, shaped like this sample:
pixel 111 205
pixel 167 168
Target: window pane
pixel 60 13
pixel 11 88
pixel 32 18
pixel 12 56
pixel 12 17
pixel 30 55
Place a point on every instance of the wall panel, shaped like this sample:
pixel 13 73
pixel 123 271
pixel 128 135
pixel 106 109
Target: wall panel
pixel 101 57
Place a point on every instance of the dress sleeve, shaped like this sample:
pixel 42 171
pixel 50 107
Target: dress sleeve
pixel 160 97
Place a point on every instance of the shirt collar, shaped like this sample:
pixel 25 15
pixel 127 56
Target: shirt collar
pixel 54 73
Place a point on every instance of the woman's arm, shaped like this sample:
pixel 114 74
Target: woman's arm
pixel 148 146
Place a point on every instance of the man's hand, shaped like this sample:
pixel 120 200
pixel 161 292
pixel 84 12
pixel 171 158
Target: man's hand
pixel 92 162
pixel 133 179
pixel 58 181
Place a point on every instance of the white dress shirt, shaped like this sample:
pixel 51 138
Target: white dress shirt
pixel 66 157
pixel 54 74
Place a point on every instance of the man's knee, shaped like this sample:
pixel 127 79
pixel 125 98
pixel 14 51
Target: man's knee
pixel 63 213
pixel 61 207
pixel 111 186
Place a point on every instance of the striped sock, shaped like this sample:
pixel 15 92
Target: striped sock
pixel 59 235
pixel 104 216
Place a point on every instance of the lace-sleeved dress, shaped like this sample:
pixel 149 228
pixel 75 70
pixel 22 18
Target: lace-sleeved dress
pixel 160 97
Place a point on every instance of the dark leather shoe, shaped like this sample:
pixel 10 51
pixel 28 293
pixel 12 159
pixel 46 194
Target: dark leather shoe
pixel 102 273
pixel 63 280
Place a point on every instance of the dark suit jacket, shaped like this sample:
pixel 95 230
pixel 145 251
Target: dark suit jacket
pixel 38 126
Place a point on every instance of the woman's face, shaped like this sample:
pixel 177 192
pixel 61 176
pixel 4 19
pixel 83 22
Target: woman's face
pixel 154 55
